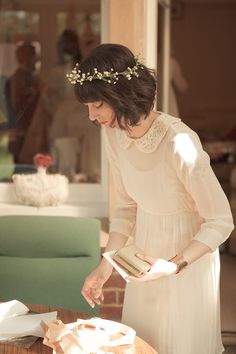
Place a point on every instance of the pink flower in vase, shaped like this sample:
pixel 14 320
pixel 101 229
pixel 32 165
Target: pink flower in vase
pixel 42 161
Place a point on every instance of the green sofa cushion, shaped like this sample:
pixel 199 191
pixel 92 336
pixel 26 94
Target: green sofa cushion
pixel 48 236
pixel 45 259
pixel 50 281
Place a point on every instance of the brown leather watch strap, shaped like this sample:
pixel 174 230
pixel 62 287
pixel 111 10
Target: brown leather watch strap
pixel 180 262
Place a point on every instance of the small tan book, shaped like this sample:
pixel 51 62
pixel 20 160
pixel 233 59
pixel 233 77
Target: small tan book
pixel 127 258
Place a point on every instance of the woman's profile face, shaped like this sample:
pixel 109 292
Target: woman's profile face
pixel 101 112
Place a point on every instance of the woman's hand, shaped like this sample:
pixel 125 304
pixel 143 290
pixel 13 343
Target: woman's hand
pixel 93 284
pixel 159 268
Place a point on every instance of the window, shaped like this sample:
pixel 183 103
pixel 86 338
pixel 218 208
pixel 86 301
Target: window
pixel 40 43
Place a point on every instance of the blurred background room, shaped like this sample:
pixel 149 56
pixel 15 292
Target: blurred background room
pixel 191 44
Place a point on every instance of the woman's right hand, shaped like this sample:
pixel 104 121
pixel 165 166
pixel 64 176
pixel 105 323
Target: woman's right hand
pixel 93 284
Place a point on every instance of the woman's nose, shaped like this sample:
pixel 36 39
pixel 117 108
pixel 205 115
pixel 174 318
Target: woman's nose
pixel 92 115
pixel 92 118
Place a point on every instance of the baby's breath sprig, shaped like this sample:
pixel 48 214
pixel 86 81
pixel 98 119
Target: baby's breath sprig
pixel 111 77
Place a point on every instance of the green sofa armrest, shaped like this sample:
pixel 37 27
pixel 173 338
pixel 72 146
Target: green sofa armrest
pixel 45 259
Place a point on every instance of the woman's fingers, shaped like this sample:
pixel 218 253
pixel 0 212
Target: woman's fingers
pixel 160 268
pixel 164 267
pixel 97 291
pixel 92 292
pixel 147 259
pixel 88 298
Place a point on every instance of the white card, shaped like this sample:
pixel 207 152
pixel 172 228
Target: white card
pixel 121 271
pixel 25 325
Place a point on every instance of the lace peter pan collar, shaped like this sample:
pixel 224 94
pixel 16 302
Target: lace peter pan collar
pixel 152 138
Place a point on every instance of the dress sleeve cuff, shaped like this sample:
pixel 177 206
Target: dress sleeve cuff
pixel 210 237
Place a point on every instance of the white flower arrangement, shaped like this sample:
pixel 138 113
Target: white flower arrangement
pixel 111 77
pixel 41 189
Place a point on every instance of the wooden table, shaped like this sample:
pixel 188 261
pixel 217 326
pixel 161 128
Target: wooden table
pixel 67 316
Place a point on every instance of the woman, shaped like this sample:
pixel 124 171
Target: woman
pixel 168 200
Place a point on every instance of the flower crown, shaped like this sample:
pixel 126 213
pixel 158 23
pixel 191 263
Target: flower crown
pixel 111 77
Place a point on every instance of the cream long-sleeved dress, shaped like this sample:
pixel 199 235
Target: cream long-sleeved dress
pixel 167 195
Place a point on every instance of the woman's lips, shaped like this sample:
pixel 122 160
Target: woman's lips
pixel 103 122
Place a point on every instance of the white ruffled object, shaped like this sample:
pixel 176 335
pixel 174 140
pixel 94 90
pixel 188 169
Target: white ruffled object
pixel 41 189
pixel 86 336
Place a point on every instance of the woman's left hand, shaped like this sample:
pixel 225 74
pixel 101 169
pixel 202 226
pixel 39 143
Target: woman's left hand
pixel 159 268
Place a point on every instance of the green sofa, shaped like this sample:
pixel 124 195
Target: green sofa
pixel 45 259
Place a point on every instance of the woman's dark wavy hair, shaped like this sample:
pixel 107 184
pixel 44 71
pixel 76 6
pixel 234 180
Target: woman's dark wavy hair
pixel 129 99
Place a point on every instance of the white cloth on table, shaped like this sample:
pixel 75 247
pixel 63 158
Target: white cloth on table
pixel 12 308
pixel 15 320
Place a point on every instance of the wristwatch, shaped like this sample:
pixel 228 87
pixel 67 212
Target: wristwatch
pixel 180 262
